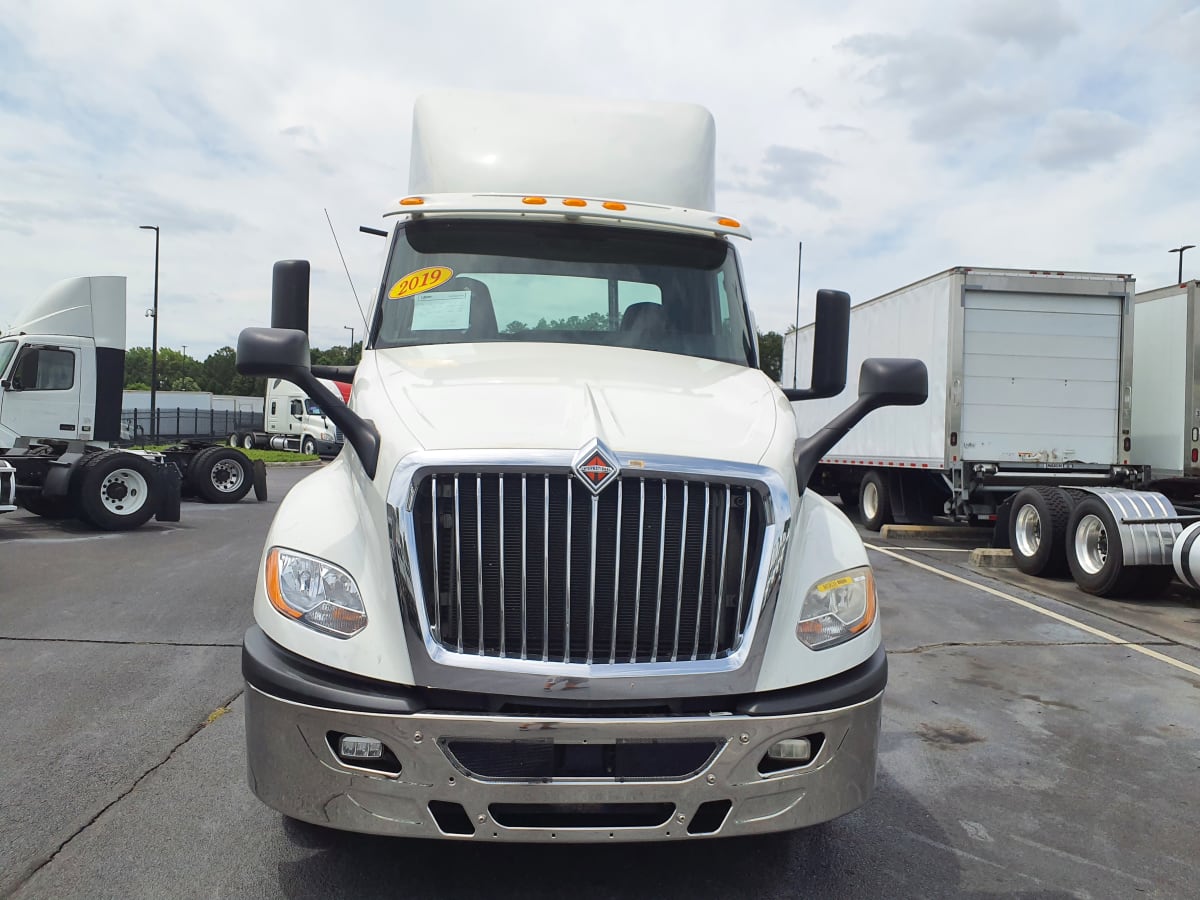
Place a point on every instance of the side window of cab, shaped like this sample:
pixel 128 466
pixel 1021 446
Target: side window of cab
pixel 44 369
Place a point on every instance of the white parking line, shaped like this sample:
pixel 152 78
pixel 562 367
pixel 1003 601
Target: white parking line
pixel 1067 620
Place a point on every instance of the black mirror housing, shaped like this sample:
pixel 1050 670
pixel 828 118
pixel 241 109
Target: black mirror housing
pixel 893 382
pixel 289 294
pixel 273 353
pixel 831 343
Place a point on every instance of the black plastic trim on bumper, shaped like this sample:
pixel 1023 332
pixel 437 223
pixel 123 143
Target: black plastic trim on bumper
pixel 276 671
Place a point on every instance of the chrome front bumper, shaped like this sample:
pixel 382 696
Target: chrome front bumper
pixel 293 769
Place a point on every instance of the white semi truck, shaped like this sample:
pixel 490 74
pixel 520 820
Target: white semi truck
pixel 1043 417
pixel 294 421
pixel 564 582
pixel 62 370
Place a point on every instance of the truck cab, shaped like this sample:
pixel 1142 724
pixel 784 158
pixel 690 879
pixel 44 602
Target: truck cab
pixel 298 420
pixel 565 582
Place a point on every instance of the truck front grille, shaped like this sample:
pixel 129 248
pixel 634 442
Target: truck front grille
pixel 531 566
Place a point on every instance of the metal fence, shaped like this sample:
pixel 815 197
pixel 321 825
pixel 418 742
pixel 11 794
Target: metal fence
pixel 187 423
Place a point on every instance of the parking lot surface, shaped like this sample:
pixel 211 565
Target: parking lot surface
pixel 1034 744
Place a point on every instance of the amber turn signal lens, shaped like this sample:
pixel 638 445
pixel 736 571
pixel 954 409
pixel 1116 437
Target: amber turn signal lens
pixel 411 201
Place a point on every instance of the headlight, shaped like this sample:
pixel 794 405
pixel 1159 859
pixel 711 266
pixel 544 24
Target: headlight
pixel 837 609
pixel 314 592
pixel 326 436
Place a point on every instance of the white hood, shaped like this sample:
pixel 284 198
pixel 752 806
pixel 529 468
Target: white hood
pixel 560 396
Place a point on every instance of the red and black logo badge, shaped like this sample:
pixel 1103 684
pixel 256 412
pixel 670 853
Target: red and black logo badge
pixel 596 466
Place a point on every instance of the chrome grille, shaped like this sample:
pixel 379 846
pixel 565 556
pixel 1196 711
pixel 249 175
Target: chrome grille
pixel 531 566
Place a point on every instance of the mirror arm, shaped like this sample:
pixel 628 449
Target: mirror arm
pixel 361 433
pixel 344 374
pixel 794 394
pixel 809 450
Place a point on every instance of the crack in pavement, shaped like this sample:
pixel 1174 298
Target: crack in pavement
pixel 922 648
pixel 54 640
pixel 34 867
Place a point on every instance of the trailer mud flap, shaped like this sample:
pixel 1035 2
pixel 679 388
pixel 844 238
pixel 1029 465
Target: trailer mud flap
pixel 260 480
pixel 170 483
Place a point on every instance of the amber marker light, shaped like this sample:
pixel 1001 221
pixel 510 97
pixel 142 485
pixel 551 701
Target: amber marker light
pixel 729 223
pixel 574 201
pixel 869 615
pixel 534 201
pixel 412 201
pixel 613 204
pixel 273 592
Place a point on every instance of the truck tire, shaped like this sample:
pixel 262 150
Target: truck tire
pixel 248 440
pixel 1094 552
pixel 49 507
pixel 308 446
pixel 1037 529
pixel 875 500
pixel 235 439
pixel 118 491
pixel 849 497
pixel 220 475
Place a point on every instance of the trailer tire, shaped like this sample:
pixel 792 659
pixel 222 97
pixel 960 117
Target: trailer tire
pixel 49 507
pixel 220 475
pixel 1037 529
pixel 118 491
pixel 1094 552
pixel 248 440
pixel 875 500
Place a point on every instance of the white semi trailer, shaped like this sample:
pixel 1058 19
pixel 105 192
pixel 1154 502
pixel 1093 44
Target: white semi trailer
pixel 564 583
pixel 61 375
pixel 1048 419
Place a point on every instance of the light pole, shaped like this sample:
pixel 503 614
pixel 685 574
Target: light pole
pixel 153 313
pixel 350 328
pixel 1180 250
pixel 185 349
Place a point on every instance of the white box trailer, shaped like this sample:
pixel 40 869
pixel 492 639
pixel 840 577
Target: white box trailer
pixel 1166 396
pixel 1029 383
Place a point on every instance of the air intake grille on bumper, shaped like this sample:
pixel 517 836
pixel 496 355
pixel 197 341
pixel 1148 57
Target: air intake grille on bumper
pixel 529 566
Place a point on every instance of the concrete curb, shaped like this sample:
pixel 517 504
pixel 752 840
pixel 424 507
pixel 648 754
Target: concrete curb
pixel 953 532
pixel 988 558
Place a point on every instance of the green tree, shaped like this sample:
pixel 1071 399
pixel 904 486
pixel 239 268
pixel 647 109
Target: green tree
pixel 770 353
pixel 176 371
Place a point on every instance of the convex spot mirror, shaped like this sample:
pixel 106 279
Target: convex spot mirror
pixel 893 382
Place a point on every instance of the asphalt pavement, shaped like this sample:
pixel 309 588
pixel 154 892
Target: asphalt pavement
pixel 1032 746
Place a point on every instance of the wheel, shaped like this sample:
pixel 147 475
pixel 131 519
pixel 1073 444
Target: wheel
pixel 1094 552
pixel 875 500
pixel 308 447
pixel 235 440
pixel 248 440
pixel 118 491
pixel 220 475
pixel 1037 529
pixel 849 497
pixel 49 507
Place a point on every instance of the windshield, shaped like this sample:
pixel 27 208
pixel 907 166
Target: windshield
pixel 7 349
pixel 313 409
pixel 470 281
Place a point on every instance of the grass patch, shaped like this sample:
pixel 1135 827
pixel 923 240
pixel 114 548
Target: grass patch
pixel 264 455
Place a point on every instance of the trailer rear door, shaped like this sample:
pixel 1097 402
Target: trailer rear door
pixel 1041 377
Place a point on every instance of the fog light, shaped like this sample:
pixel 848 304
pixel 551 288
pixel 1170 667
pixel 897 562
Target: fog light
pixel 793 750
pixel 352 747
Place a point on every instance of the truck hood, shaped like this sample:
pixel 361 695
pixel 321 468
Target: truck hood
pixel 560 396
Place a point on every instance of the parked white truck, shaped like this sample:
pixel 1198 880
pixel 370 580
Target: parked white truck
pixel 564 583
pixel 294 421
pixel 1033 420
pixel 62 370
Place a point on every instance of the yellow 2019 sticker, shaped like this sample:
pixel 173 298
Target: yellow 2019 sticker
pixel 419 281
pixel 836 583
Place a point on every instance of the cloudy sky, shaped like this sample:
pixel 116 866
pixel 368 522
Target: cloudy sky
pixel 895 139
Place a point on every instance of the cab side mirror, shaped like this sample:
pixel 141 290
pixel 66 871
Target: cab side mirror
pixel 831 343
